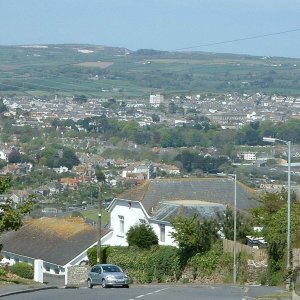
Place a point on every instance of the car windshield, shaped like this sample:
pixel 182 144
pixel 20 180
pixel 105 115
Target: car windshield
pixel 111 269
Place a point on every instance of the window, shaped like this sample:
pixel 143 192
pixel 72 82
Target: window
pixel 121 224
pixel 47 269
pixel 162 233
pixel 142 221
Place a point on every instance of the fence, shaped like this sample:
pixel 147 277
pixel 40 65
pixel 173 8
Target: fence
pixel 258 254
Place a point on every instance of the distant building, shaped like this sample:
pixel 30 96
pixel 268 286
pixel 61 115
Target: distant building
pixel 156 100
pixel 247 155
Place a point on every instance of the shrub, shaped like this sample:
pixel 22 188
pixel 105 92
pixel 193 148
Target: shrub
pixel 22 269
pixel 92 255
pixel 212 261
pixel 167 263
pixel 2 271
pixel 144 266
pixel 142 236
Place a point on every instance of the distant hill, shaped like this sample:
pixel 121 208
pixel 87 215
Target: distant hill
pixel 101 71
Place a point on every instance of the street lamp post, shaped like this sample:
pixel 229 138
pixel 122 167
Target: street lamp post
pixel 288 239
pixel 234 225
pixel 234 232
pixel 99 227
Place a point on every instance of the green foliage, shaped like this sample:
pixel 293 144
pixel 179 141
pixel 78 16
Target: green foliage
pixel 23 270
pixel 55 157
pixel 167 263
pixel 11 216
pixel 92 255
pixel 243 225
pixel 99 174
pixel 142 236
pixel 192 160
pixel 2 271
pixel 272 215
pixel 194 236
pixel 158 264
pixel 208 263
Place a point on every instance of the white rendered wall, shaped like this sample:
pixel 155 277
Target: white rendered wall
pixel 133 214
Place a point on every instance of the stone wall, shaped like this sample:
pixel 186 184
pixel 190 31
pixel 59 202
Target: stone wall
pixel 296 258
pixel 76 275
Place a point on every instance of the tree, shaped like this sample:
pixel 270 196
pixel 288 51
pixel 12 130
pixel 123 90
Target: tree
pixel 11 217
pixel 243 227
pixel 14 156
pixel 272 216
pixel 142 236
pixel 155 118
pixel 99 174
pixel 194 236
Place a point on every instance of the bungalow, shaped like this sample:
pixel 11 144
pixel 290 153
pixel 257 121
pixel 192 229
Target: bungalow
pixel 59 243
pixel 156 201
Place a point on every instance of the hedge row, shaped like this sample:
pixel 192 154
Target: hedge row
pixel 159 264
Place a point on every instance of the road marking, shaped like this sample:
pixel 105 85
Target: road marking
pixel 150 293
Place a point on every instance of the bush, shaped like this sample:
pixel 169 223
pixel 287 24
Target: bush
pixel 158 264
pixel 92 255
pixel 142 236
pixel 210 262
pixel 2 271
pixel 167 263
pixel 22 269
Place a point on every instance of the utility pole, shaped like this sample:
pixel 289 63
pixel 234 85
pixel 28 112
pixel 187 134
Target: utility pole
pixel 99 225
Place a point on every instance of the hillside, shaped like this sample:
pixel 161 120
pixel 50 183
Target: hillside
pixel 107 72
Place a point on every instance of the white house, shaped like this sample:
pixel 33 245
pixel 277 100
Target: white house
pixel 146 170
pixel 4 155
pixel 125 214
pixel 156 201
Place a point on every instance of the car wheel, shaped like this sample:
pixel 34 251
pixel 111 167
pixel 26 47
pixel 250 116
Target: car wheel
pixel 104 283
pixel 89 284
pixel 126 286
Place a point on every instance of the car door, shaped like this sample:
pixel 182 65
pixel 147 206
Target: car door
pixel 92 274
pixel 98 275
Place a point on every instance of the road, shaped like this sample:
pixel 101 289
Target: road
pixel 153 292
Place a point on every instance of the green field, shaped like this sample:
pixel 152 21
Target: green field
pixel 107 72
pixel 92 214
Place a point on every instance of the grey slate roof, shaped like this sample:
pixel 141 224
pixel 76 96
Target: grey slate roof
pixel 165 211
pixel 36 242
pixel 161 196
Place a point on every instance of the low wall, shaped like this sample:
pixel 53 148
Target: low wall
pixel 76 275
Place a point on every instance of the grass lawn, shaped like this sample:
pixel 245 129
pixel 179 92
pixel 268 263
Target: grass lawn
pixel 92 214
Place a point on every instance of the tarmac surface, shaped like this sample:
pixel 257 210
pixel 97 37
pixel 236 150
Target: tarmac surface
pixel 50 282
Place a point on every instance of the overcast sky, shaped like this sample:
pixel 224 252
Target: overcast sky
pixel 156 24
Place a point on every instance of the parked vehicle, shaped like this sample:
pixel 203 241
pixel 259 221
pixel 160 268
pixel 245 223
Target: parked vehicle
pixel 107 275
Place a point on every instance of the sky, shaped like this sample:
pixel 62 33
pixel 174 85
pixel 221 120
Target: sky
pixel 157 24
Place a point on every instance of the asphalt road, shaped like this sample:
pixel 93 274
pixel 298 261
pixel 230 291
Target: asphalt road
pixel 156 292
